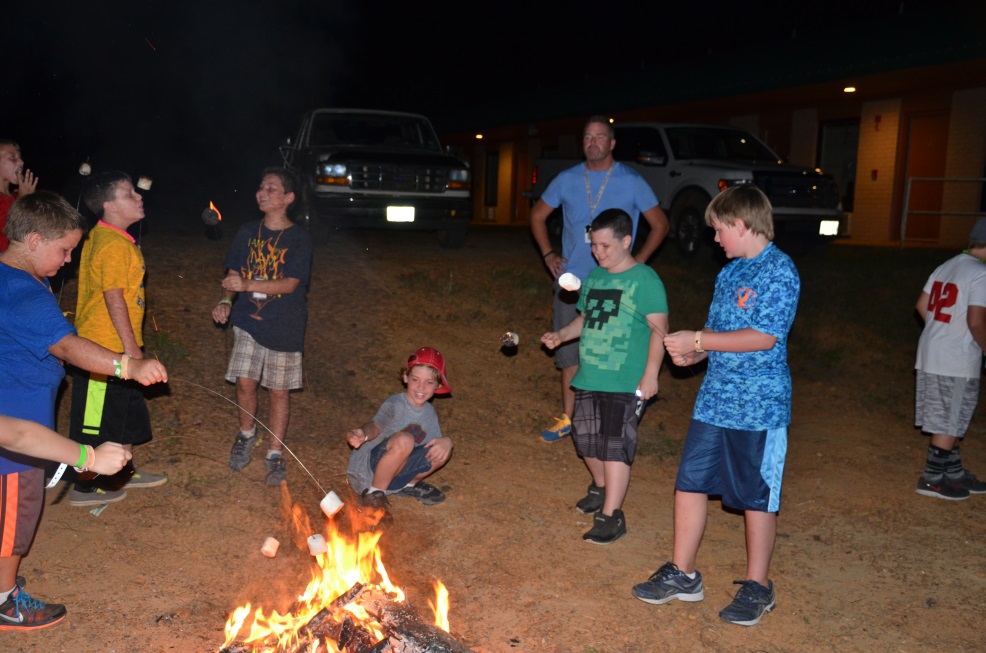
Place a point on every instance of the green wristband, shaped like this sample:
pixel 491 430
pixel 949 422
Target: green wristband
pixel 82 456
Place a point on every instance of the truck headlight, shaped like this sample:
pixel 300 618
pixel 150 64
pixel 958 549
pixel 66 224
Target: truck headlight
pixel 458 179
pixel 332 173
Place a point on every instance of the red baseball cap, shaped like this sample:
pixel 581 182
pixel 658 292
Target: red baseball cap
pixel 432 358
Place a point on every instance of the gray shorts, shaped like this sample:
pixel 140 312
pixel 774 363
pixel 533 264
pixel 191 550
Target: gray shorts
pixel 563 311
pixel 943 405
pixel 275 370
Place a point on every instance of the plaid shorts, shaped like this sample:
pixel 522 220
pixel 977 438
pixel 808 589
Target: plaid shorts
pixel 276 370
pixel 604 425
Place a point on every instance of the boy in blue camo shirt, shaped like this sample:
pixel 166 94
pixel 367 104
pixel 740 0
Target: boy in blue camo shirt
pixel 737 439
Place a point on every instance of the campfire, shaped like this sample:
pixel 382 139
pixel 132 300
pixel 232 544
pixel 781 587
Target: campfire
pixel 349 606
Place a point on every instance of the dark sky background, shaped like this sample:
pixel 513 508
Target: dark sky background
pixel 198 95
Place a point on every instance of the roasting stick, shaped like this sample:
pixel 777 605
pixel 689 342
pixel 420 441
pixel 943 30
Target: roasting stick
pixel 286 448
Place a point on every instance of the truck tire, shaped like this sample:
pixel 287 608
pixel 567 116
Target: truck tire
pixel 688 226
pixel 452 238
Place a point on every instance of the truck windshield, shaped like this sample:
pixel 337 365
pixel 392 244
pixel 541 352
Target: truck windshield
pixel 716 143
pixel 392 132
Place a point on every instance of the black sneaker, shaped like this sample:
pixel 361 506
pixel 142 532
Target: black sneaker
pixel 752 601
pixel 376 499
pixel 424 492
pixel 968 481
pixel 606 529
pixel 243 446
pixel 21 612
pixel 941 488
pixel 669 583
pixel 593 500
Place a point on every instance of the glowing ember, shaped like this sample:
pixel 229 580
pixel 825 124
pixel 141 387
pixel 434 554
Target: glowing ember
pixel 350 565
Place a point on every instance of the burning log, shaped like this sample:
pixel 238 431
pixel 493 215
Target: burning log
pixel 409 634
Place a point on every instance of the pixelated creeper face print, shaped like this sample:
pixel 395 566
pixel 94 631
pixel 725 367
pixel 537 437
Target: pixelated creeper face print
pixel 600 306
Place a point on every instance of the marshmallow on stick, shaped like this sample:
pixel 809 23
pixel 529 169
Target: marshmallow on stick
pixel 569 281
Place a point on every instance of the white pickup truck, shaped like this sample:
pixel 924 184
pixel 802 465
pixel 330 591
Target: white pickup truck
pixel 686 164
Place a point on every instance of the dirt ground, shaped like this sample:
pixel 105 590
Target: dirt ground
pixel 862 562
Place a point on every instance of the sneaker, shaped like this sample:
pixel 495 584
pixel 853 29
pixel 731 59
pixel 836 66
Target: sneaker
pixel 941 488
pixel 21 612
pixel 606 529
pixel 424 492
pixel 95 497
pixel 968 481
pixel 752 601
pixel 592 501
pixel 376 499
pixel 277 470
pixel 145 479
pixel 239 457
pixel 560 429
pixel 669 583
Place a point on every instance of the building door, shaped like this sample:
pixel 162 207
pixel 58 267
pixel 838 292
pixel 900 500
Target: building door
pixel 838 147
pixel 924 150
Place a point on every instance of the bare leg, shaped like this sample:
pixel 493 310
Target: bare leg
pixel 280 413
pixel 946 442
pixel 399 449
pixel 246 398
pixel 597 469
pixel 567 393
pixel 8 572
pixel 761 532
pixel 617 481
pixel 690 513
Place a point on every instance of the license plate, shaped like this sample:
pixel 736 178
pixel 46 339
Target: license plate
pixel 828 228
pixel 400 214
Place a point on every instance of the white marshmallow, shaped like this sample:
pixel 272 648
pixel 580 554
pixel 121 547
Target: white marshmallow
pixel 270 547
pixel 569 281
pixel 331 504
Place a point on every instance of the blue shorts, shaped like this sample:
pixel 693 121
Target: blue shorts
pixel 745 468
pixel 417 463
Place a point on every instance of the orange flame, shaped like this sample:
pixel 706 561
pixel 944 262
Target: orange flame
pixel 213 207
pixel 440 606
pixel 346 562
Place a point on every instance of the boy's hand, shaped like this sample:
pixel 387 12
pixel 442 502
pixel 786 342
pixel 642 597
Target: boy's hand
pixel 356 438
pixel 27 183
pixel 438 451
pixel 679 344
pixel 235 283
pixel 109 458
pixel 221 311
pixel 147 371
pixel 647 387
pixel 551 339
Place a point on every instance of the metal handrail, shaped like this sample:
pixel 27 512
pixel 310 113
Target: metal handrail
pixel 907 202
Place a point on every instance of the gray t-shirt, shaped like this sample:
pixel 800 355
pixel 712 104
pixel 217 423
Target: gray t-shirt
pixel 396 414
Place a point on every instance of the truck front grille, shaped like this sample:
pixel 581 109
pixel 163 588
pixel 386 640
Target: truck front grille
pixel 402 179
pixel 798 191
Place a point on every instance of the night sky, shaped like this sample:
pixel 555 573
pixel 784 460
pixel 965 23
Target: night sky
pixel 198 95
